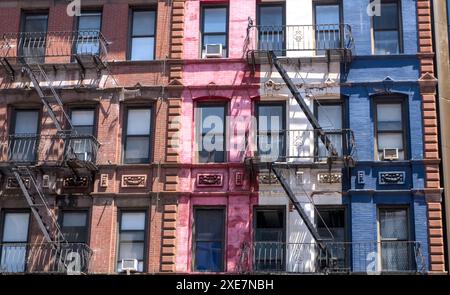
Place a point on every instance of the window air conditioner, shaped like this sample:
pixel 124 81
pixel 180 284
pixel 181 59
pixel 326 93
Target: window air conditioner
pixel 390 154
pixel 213 50
pixel 129 265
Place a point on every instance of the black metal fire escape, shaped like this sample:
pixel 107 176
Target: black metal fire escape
pixel 265 53
pixel 23 172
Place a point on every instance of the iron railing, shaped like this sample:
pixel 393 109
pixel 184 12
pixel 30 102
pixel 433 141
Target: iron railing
pixel 70 258
pixel 348 257
pixel 36 46
pixel 285 38
pixel 56 148
pixel 303 145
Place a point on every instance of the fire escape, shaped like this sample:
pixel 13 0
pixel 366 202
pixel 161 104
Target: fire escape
pixel 278 47
pixel 37 57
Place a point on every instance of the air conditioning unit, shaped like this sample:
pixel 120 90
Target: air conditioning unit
pixel 213 50
pixel 129 265
pixel 390 154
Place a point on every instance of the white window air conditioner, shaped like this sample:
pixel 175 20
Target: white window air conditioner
pixel 213 50
pixel 129 265
pixel 390 154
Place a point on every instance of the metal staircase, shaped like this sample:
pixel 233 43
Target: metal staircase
pixel 47 94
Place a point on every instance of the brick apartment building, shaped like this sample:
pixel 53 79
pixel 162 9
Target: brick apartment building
pixel 104 116
pixel 104 179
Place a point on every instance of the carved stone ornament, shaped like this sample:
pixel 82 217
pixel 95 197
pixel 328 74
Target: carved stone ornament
pixel 392 177
pixel 329 177
pixel 134 181
pixel 75 182
pixel 209 180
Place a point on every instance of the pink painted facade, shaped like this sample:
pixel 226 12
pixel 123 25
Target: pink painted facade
pixel 226 80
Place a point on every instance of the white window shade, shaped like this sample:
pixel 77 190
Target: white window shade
pixel 330 116
pixel 138 122
pixel 15 228
pixel 26 122
pixel 82 117
pixel 133 221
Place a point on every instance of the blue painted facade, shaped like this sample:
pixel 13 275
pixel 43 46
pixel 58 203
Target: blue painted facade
pixel 362 82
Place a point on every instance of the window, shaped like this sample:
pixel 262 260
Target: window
pixel 269 239
pixel 330 119
pixel 137 136
pixel 211 133
pixel 34 37
pixel 271 31
pixel 24 141
pixel 88 30
pixel 143 35
pixel 74 226
pixel 331 228
pixel 390 128
pixel 327 20
pixel 132 228
pixel 396 251
pixel 271 130
pixel 83 143
pixel 215 27
pixel 13 249
pixel 209 230
pixel 387 28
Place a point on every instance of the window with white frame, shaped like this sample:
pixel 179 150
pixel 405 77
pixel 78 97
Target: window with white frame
pixel 390 133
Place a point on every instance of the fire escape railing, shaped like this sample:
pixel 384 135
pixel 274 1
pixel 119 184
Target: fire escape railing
pixel 54 149
pixel 44 258
pixel 285 38
pixel 339 257
pixel 304 145
pixel 36 46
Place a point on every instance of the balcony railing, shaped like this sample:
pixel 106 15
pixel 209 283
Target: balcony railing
pixel 35 47
pixel 52 149
pixel 71 258
pixel 303 145
pixel 347 257
pixel 287 38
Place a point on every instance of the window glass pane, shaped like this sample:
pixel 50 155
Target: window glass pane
pixel 138 121
pixel 133 221
pixel 15 227
pixel 390 141
pixel 215 39
pixel 130 236
pixel 142 48
pixel 82 117
pixel 26 122
pixel 386 42
pixel 209 225
pixel 334 219
pixel 388 20
pixel 13 258
pixel 215 20
pixel 132 250
pixel 36 23
pixel 394 224
pixel 330 116
pixel 208 256
pixel 389 117
pixel 212 118
pixel 74 219
pixel 327 14
pixel 89 21
pixel 269 219
pixel 270 118
pixel 144 23
pixel 271 16
pixel 137 148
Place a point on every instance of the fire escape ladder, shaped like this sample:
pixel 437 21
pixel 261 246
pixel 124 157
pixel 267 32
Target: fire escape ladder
pixel 305 108
pixel 39 206
pixel 284 183
pixel 36 74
